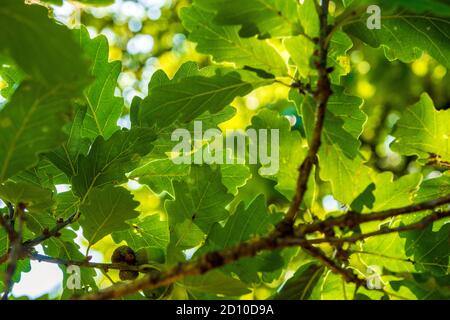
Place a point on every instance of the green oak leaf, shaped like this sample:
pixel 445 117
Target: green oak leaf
pixel 424 286
pixel 300 286
pixel 429 249
pixel 31 124
pixel 244 223
pixel 405 36
pixel 23 27
pixel 65 157
pixel 103 107
pixel 234 176
pixel 265 18
pixel 105 211
pixel 422 130
pixel 158 174
pixel 66 204
pixel 164 143
pixel 300 49
pixel 390 194
pixel 386 251
pixel 186 99
pixel 36 199
pixel 44 174
pixel 309 18
pixel 149 232
pixel 199 203
pixel 225 44
pixel 338 58
pixel 437 7
pixel 434 188
pixel 331 286
pixel 214 282
pixel 109 160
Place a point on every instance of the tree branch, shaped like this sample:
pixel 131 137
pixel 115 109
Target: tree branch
pixel 352 219
pixel 422 224
pixel 47 234
pixel 6 224
pixel 207 262
pixel 61 224
pixel 15 239
pixel 321 96
pixel 217 259
pixel 347 274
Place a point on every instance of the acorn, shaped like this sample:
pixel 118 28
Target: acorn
pixel 124 254
pixel 128 275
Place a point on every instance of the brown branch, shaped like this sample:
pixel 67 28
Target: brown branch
pixel 55 232
pixel 47 234
pixel 422 224
pixel 4 258
pixel 15 239
pixel 207 262
pixel 6 224
pixel 250 248
pixel 436 161
pixel 352 239
pixel 347 274
pixel 321 96
pixel 352 219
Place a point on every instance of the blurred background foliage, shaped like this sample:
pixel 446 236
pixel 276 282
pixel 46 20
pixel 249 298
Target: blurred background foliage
pixel 147 35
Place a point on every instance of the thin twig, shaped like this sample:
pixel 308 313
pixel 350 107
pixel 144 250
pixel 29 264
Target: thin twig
pixel 414 226
pixel 352 239
pixel 84 263
pixel 352 219
pixel 47 234
pixel 346 274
